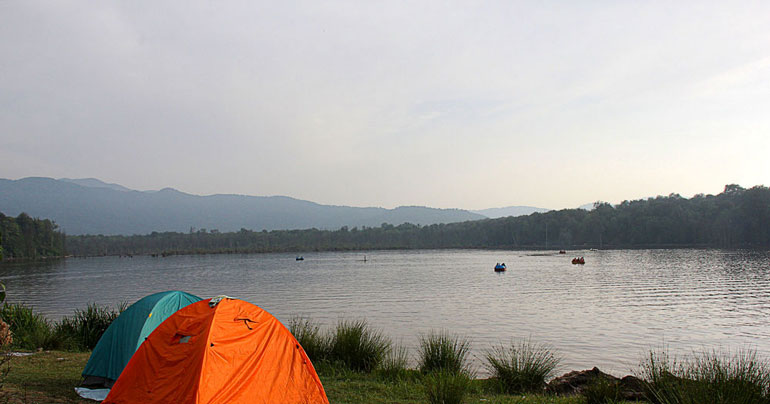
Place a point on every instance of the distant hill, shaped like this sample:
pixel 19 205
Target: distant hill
pixel 89 206
pixel 94 183
pixel 494 213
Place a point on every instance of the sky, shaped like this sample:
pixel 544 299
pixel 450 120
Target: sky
pixel 445 104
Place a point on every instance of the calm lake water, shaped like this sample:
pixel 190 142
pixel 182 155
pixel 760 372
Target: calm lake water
pixel 606 313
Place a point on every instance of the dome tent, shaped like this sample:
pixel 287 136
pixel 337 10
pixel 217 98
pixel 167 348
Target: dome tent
pixel 124 336
pixel 215 351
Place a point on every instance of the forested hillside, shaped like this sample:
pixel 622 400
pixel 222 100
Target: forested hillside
pixel 737 217
pixel 23 237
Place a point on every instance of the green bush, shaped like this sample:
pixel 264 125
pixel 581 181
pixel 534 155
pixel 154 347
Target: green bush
pixel 522 366
pixel 83 330
pixel 358 346
pixel 30 330
pixel 709 377
pixel 440 350
pixel 444 386
pixel 317 345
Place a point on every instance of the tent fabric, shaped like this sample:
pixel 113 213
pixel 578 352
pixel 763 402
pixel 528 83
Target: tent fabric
pixel 124 336
pixel 233 352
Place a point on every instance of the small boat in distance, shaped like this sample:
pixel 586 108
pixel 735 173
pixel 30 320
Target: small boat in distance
pixel 579 260
pixel 500 267
pixel 562 252
pixel 300 258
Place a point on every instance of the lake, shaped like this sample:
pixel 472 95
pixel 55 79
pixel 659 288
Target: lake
pixel 606 313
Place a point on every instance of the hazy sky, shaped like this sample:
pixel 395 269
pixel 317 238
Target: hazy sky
pixel 386 103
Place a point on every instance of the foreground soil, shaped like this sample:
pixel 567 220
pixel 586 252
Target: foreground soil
pixel 50 377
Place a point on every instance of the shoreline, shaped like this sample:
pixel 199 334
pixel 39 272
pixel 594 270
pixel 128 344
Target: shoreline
pixel 549 251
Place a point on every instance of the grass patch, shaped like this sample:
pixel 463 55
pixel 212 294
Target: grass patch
pixel 439 350
pixel 45 377
pixel 709 377
pixel 446 387
pixel 49 377
pixel 522 366
pixel 358 346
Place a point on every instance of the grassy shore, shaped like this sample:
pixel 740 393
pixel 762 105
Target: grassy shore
pixel 358 364
pixel 50 377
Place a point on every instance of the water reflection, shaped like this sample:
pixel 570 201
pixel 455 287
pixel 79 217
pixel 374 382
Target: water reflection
pixel 605 313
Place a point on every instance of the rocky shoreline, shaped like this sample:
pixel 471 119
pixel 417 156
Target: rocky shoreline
pixel 630 387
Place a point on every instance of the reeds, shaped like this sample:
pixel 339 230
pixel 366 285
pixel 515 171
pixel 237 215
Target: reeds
pixel 30 330
pixel 715 377
pixel 522 366
pixel 353 343
pixel 395 366
pixel 439 350
pixel 83 330
pixel 317 345
pixel 358 346
pixel 443 358
pixel 602 391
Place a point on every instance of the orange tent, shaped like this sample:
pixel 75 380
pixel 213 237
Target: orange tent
pixel 219 351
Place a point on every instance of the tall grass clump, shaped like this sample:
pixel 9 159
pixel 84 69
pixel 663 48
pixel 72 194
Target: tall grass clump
pixel 439 350
pixel 315 343
pixel 84 329
pixel 395 366
pixel 523 366
pixel 710 377
pixel 446 387
pixel 29 329
pixel 358 346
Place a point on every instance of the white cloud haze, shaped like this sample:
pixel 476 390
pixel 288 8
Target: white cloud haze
pixel 444 104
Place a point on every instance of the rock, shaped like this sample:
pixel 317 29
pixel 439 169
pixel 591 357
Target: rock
pixel 575 382
pixel 632 388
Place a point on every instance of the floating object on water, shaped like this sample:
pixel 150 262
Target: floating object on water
pixel 562 252
pixel 500 267
pixel 579 260
pixel 300 258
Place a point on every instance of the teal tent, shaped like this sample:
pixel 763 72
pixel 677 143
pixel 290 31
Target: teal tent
pixel 124 336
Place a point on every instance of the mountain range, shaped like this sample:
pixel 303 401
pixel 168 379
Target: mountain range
pixel 91 206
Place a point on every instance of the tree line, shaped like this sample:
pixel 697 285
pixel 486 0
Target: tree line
pixel 737 217
pixel 23 237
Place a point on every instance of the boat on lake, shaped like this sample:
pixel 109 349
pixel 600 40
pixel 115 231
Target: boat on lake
pixel 500 267
pixel 300 258
pixel 579 260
